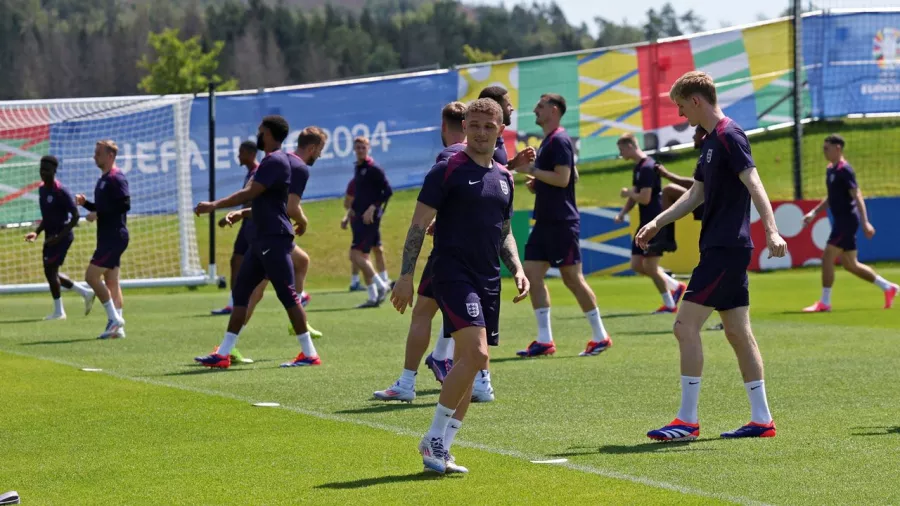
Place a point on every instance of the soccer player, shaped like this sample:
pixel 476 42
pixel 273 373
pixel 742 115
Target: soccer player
pixel 554 240
pixel 247 158
pixel 848 209
pixel 680 184
pixel 59 215
pixel 112 201
pixel 646 191
pixel 727 181
pixel 377 248
pixel 440 360
pixel 310 144
pixel 470 198
pixel 371 193
pixel 270 250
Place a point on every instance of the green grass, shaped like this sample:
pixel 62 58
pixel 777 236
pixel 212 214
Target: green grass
pixel 153 425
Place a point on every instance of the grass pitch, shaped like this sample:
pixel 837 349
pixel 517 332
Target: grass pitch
pixel 153 427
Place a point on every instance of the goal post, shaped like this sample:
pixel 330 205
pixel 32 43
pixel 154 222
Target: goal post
pixel 153 135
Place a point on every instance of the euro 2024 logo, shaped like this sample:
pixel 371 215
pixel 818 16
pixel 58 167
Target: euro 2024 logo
pixel 886 48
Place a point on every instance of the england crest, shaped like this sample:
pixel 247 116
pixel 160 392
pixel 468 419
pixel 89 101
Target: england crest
pixel 49 199
pixel 473 309
pixel 504 187
pixel 102 184
pixel 709 155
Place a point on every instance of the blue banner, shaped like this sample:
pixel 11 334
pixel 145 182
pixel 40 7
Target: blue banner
pixel 853 63
pixel 401 118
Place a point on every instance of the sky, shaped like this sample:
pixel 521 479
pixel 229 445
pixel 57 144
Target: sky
pixel 717 13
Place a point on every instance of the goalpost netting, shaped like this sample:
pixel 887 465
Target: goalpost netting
pixel 153 138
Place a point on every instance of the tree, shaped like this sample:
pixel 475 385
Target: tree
pixel 181 66
pixel 475 55
pixel 611 34
pixel 666 23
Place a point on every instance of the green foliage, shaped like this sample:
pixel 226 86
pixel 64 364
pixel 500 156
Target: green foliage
pixel 475 55
pixel 181 66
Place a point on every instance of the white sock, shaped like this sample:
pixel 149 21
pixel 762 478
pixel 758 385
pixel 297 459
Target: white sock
pixel 759 406
pixel 671 283
pixel 599 331
pixel 545 333
pixel 882 283
pixel 668 300
pixel 376 280
pixel 408 379
pixel 58 306
pixel 373 292
pixel 452 428
pixel 84 289
pixel 690 399
pixel 306 345
pixel 120 311
pixel 442 417
pixel 443 347
pixel 384 276
pixel 228 344
pixel 826 296
pixel 354 279
pixel 110 309
pixel 230 299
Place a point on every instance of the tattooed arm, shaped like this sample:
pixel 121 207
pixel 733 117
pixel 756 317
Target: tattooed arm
pixel 402 295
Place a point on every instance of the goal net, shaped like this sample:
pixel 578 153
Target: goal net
pixel 153 138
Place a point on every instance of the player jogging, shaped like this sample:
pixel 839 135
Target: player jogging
pixel 269 255
pixel 470 198
pixel 59 215
pixel 371 193
pixel 377 248
pixel 646 191
pixel 247 158
pixel 848 210
pixel 554 240
pixel 112 201
pixel 727 181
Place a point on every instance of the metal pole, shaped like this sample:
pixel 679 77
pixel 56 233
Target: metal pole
pixel 212 179
pixel 797 96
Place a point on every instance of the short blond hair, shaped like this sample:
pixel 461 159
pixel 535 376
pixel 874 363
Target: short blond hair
pixel 311 136
pixel 485 106
pixel 627 138
pixel 110 146
pixel 361 139
pixel 453 115
pixel 694 82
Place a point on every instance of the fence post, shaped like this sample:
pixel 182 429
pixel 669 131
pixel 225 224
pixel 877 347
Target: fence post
pixel 212 179
pixel 797 96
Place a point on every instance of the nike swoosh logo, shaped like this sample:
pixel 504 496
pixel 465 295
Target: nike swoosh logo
pixel 266 251
pixel 694 383
pixel 754 388
pixel 559 261
pixel 474 182
pixel 495 334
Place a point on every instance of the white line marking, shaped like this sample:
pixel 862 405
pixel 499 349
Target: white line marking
pixel 418 434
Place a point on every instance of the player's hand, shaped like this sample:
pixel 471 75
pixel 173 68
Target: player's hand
pixel 808 217
pixel 92 216
pixel 869 230
pixel 522 285
pixel 300 227
pixel 402 294
pixel 30 236
pixel 204 208
pixel 368 217
pixel 231 218
pixel 429 230
pixel 523 159
pixel 344 222
pixel 776 244
pixel 224 221
pixel 80 199
pixel 619 218
pixel 529 183
pixel 625 193
pixel 645 234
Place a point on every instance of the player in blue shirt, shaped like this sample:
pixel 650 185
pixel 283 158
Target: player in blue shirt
pixel 848 212
pixel 440 360
pixel 246 158
pixel 112 201
pixel 554 240
pixel 270 250
pixel 727 182
pixel 371 193
pixel 646 191
pixel 377 248
pixel 470 198
pixel 59 215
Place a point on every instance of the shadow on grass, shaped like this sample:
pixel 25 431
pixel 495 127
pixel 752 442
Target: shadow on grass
pixel 878 431
pixel 500 360
pixel 202 370
pixel 24 320
pixel 59 341
pixel 383 480
pixel 334 309
pixel 383 408
pixel 432 391
pixel 644 332
pixel 674 446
